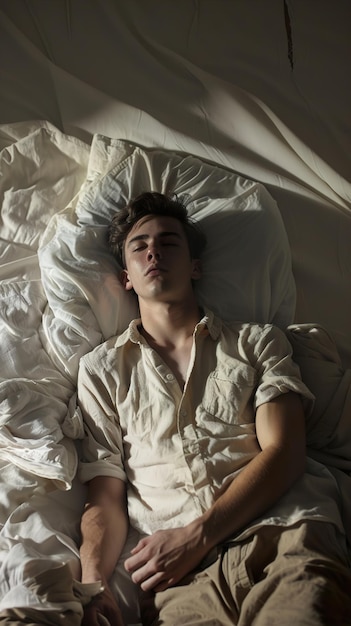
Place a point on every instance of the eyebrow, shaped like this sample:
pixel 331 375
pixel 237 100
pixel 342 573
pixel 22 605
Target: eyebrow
pixel 143 237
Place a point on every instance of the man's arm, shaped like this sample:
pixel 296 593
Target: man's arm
pixel 104 528
pixel 161 560
pixel 280 430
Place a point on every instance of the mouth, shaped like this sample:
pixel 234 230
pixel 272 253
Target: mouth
pixel 154 270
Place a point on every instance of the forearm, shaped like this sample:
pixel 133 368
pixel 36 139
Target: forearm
pixel 280 431
pixel 104 528
pixel 258 487
pixel 102 542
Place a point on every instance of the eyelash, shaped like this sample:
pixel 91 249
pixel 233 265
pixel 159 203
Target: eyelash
pixel 139 248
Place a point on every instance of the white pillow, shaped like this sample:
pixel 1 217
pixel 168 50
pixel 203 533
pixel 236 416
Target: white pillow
pixel 247 271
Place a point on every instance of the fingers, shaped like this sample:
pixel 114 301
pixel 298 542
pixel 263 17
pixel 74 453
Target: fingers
pixel 139 546
pixel 102 620
pixel 141 555
pixel 145 574
pixel 146 571
pixel 150 582
pixel 131 564
pixel 102 610
pixel 162 559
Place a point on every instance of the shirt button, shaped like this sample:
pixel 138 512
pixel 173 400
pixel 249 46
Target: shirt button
pixel 183 413
pixel 170 377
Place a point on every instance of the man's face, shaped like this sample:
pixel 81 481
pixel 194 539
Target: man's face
pixel 158 260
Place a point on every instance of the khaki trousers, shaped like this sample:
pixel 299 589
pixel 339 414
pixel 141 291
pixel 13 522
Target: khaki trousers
pixel 299 576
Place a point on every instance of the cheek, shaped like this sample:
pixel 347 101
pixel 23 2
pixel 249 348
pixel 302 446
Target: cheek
pixel 134 272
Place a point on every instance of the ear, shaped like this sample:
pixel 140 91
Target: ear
pixel 125 280
pixel 197 269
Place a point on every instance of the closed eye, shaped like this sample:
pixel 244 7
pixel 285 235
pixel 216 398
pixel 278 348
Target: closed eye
pixel 140 242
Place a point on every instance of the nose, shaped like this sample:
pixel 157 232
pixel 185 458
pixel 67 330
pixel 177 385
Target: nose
pixel 153 252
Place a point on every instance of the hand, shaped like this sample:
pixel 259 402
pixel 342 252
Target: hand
pixel 102 610
pixel 161 560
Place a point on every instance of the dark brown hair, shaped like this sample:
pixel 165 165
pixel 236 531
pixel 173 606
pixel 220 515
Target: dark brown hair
pixel 152 203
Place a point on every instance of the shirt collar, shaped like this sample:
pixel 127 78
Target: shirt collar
pixel 209 321
pixel 133 331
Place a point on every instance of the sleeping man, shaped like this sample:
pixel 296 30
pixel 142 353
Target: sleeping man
pixel 194 438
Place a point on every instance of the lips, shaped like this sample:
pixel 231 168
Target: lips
pixel 154 269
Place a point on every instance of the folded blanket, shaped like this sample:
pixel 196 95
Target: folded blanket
pixel 329 425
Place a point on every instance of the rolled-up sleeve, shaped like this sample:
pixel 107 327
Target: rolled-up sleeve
pixel 102 446
pixel 277 372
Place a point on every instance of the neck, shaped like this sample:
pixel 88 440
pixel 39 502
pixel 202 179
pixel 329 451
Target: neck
pixel 169 324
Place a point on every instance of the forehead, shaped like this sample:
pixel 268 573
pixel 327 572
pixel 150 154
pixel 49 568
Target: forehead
pixel 152 225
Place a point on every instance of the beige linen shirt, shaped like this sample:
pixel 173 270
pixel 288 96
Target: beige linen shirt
pixel 177 448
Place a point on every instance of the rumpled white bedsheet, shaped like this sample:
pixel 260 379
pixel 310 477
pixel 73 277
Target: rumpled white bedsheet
pixel 40 173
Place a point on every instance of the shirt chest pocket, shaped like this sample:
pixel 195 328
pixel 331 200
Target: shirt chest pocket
pixel 228 392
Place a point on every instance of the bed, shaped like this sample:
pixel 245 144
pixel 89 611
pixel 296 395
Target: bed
pixel 255 139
